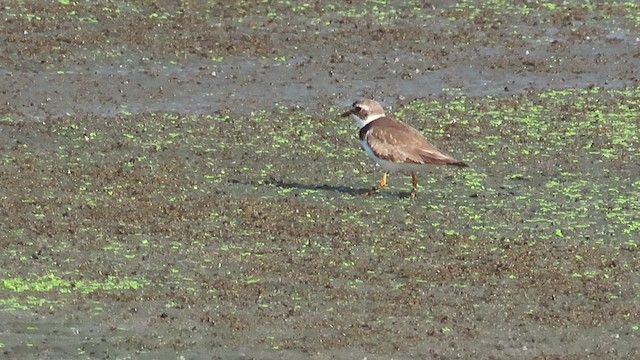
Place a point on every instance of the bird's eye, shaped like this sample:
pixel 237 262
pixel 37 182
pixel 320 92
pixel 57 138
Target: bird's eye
pixel 359 108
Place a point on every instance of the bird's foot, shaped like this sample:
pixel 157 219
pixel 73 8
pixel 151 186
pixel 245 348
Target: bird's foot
pixel 380 185
pixel 414 185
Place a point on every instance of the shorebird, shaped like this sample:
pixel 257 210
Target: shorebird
pixel 394 145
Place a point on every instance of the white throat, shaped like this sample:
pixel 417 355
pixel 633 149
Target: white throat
pixel 363 122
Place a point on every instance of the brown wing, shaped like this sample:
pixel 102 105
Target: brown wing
pixel 396 141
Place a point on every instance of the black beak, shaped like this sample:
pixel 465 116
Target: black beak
pixel 348 113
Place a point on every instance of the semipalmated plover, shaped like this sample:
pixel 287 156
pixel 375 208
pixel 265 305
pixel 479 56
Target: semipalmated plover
pixel 394 145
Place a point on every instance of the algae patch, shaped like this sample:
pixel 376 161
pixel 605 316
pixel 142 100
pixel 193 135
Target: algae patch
pixel 51 289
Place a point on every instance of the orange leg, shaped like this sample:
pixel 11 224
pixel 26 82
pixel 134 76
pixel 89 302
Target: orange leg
pixel 414 183
pixel 381 184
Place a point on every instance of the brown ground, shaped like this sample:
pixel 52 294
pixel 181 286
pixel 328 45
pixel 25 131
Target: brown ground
pixel 176 181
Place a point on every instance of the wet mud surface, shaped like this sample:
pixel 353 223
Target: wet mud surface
pixel 177 181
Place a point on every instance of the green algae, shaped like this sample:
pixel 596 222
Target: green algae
pixel 554 127
pixel 49 290
pixel 52 282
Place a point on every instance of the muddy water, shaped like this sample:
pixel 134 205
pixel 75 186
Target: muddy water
pixel 177 181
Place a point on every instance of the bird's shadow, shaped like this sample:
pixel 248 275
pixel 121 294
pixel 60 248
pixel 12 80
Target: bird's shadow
pixel 360 192
pixel 323 187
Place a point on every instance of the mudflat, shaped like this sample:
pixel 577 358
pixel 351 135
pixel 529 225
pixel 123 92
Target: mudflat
pixel 177 181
